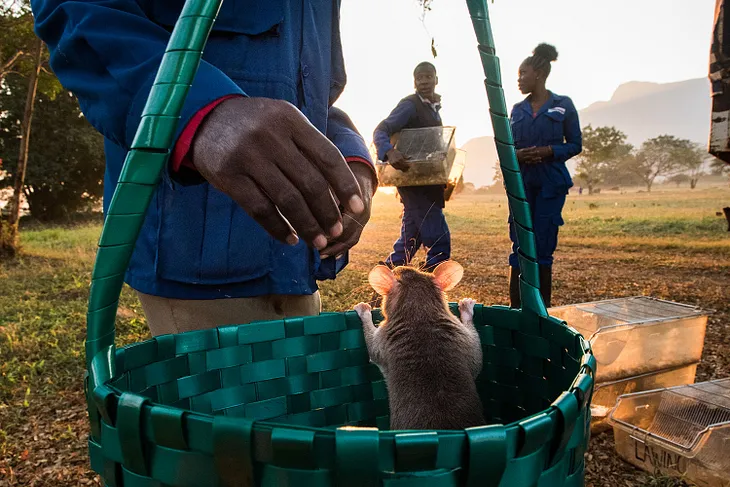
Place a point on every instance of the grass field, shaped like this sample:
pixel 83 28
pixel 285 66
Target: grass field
pixel 668 244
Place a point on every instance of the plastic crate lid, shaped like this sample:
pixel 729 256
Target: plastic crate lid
pixel 637 309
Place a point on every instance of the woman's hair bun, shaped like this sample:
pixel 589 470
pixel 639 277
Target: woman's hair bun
pixel 546 51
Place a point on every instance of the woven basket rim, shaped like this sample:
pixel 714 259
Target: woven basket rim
pixel 585 369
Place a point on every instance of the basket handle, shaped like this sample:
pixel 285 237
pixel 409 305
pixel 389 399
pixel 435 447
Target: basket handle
pixel 527 253
pixel 140 176
pixel 151 148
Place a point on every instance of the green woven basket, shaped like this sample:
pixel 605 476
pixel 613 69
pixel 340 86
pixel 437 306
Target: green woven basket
pixel 297 402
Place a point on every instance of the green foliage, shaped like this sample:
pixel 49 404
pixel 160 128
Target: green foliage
pixel 664 155
pixel 603 149
pixel 16 35
pixel 678 179
pixel 608 158
pixel 66 156
pixel 16 45
pixel 691 158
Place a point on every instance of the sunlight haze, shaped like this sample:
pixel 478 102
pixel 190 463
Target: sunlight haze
pixel 601 45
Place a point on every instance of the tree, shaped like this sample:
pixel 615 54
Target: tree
pixel 678 179
pixel 21 55
pixel 618 174
pixel 718 166
pixel 11 242
pixel 603 148
pixel 65 167
pixel 17 45
pixel 691 157
pixel 16 36
pixel 660 156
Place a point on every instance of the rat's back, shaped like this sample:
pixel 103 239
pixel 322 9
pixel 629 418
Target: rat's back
pixel 430 382
pixel 429 358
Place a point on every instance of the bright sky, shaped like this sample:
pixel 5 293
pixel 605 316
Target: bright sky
pixel 602 44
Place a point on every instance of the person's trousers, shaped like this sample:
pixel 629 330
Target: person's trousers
pixel 422 226
pixel 166 315
pixel 547 219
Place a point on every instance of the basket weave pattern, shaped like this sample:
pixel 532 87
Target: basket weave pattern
pixel 211 407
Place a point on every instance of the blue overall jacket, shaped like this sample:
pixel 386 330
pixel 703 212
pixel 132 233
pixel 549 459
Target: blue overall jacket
pixel 556 125
pixel 196 243
pixel 547 183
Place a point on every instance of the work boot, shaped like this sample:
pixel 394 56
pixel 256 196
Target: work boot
pixel 546 283
pixel 514 288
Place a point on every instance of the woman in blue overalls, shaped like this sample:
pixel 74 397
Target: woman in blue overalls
pixel 546 133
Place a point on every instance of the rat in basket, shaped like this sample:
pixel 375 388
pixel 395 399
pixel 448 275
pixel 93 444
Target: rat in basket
pixel 429 358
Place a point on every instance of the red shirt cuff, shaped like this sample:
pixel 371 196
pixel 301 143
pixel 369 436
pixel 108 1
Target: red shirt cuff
pixel 181 152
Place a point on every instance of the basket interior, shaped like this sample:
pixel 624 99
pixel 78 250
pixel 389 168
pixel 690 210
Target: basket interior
pixel 315 371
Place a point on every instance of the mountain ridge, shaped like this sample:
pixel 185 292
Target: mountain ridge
pixel 640 109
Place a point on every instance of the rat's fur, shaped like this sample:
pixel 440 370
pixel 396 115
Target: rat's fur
pixel 429 358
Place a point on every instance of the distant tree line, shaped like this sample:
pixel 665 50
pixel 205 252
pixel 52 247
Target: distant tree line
pixel 607 159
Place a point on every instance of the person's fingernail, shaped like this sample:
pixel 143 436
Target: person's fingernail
pixel 336 231
pixel 292 239
pixel 339 256
pixel 356 204
pixel 323 256
pixel 320 242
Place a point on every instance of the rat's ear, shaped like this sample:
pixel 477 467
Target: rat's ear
pixel 381 278
pixel 448 274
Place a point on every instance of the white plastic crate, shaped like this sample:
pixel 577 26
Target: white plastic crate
pixel 606 394
pixel 638 335
pixel 681 431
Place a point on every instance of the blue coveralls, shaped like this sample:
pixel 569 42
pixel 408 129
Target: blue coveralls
pixel 547 183
pixel 196 242
pixel 423 221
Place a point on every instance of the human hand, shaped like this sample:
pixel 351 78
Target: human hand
pixel 533 155
pixel 397 160
pixel 278 167
pixel 354 224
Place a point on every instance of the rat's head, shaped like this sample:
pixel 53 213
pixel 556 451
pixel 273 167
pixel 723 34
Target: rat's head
pixel 405 285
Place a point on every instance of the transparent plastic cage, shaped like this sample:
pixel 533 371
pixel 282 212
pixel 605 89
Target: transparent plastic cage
pixel 638 335
pixel 431 153
pixel 457 169
pixel 606 394
pixel 681 431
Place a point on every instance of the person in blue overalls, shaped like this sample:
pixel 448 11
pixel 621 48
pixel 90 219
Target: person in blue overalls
pixel 423 221
pixel 547 133
pixel 243 223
